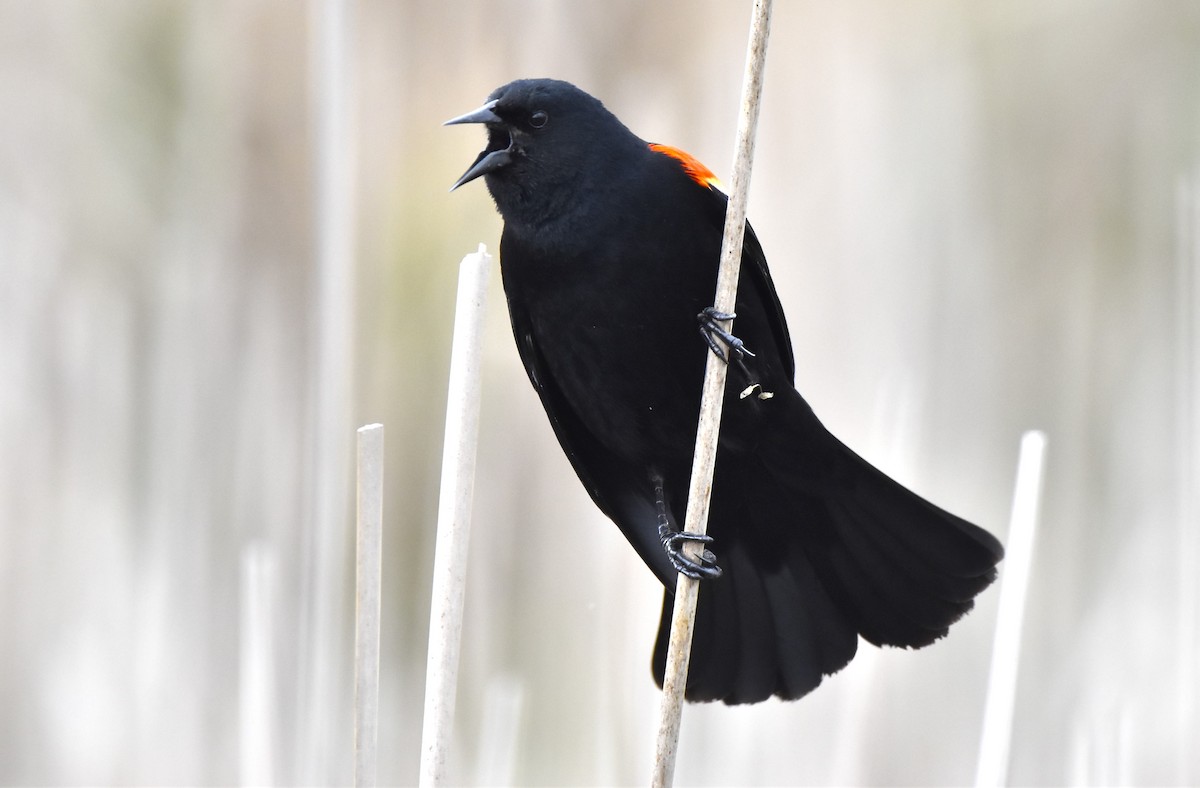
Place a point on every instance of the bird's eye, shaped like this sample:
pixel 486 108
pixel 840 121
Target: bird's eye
pixel 539 119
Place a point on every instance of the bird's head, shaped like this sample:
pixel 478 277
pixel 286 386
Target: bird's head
pixel 547 140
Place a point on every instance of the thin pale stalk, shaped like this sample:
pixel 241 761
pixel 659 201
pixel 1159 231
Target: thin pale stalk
pixel 454 517
pixel 256 667
pixel 992 768
pixel 1187 331
pixel 700 489
pixel 317 758
pixel 368 593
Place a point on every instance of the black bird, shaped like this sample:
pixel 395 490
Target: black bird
pixel 609 260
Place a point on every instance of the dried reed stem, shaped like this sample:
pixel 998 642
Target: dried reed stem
pixel 696 520
pixel 454 517
pixel 992 768
pixel 367 603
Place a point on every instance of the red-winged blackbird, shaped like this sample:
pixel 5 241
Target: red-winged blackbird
pixel 609 259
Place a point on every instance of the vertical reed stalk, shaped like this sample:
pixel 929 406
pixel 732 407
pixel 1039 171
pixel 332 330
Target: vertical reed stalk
pixel 368 593
pixel 992 768
pixel 317 757
pixel 696 520
pixel 454 517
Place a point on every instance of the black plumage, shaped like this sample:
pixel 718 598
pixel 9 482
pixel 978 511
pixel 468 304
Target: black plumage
pixel 608 255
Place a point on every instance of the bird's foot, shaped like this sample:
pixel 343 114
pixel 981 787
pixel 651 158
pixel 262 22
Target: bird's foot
pixel 672 541
pixel 710 328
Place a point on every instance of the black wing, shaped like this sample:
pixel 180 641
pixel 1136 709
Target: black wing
pixel 613 483
pixel 755 277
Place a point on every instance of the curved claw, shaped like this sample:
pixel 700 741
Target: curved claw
pixel 704 569
pixel 708 318
pixel 712 313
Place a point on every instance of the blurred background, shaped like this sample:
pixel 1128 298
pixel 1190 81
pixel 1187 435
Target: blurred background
pixel 226 241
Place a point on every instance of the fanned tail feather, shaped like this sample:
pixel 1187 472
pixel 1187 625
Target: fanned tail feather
pixel 810 564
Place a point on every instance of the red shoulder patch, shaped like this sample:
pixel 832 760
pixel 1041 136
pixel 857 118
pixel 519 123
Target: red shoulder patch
pixel 691 165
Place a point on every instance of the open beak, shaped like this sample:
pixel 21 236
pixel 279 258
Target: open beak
pixel 490 159
pixel 482 115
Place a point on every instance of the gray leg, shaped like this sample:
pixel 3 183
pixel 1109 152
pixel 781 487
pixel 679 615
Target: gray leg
pixel 672 542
